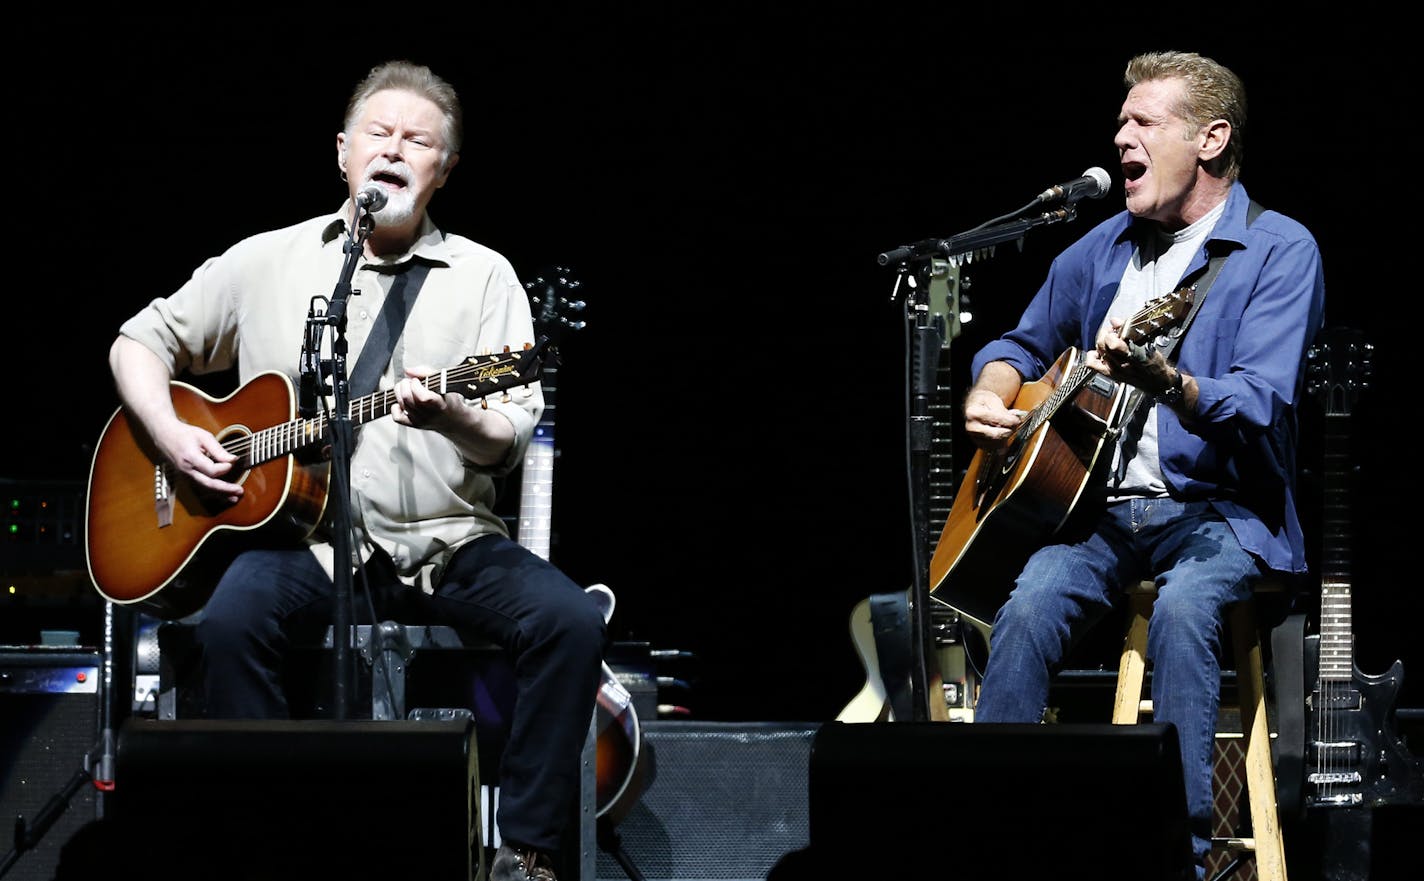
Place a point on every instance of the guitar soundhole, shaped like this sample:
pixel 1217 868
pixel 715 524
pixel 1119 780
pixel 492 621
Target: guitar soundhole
pixel 236 439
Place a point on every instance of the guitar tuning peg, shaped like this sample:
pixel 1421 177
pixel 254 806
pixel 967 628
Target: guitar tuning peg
pixel 504 398
pixel 484 404
pixel 506 350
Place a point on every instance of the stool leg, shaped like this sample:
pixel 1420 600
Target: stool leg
pixel 1260 778
pixel 1132 666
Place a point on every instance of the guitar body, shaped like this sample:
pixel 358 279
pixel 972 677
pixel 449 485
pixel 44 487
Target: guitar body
pixel 1355 757
pixel 623 763
pixel 147 538
pixel 872 702
pixel 1013 498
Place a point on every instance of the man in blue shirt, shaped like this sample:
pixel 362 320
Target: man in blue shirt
pixel 1196 492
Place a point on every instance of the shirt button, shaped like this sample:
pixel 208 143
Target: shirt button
pixel 363 314
pixel 365 472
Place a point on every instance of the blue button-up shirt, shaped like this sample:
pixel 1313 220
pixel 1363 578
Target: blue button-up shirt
pixel 1245 348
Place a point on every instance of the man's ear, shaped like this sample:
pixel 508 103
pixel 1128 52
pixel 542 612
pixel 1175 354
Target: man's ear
pixel 341 152
pixel 1215 137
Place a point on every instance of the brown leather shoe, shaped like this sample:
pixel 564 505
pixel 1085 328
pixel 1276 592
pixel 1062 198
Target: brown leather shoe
pixel 514 863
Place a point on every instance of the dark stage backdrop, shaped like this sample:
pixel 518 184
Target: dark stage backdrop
pixel 732 420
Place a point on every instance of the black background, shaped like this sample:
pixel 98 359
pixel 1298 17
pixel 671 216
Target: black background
pixel 731 421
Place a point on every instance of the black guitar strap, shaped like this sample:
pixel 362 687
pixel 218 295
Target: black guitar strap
pixel 1167 343
pixel 376 353
pixel 1199 288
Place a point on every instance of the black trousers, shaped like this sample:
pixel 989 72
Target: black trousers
pixel 269 600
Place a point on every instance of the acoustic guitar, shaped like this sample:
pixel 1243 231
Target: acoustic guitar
pixel 155 541
pixel 1013 497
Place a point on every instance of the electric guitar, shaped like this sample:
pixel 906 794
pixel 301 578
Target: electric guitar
pixel 1013 497
pixel 874 702
pixel 1353 757
pixel 623 762
pixel 155 541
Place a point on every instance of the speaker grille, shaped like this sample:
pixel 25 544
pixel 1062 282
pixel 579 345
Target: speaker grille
pixel 43 742
pixel 727 801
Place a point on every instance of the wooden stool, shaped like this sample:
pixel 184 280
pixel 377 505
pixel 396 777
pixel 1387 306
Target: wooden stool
pixel 1129 708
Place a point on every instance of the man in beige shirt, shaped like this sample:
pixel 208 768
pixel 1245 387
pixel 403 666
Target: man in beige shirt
pixel 422 481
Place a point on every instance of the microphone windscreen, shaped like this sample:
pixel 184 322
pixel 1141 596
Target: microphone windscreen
pixel 1101 178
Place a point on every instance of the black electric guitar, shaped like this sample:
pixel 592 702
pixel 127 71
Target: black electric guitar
pixel 1353 756
pixel 623 761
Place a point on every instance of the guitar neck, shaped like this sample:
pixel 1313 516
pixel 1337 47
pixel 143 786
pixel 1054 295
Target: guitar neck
pixel 1337 642
pixel 942 483
pixel 304 433
pixel 537 484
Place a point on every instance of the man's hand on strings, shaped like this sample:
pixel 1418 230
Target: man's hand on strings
pixel 199 457
pixel 1133 363
pixel 987 421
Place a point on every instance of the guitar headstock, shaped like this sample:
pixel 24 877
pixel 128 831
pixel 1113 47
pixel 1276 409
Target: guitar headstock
pixel 555 303
pixel 1338 368
pixel 947 302
pixel 1158 316
pixel 480 376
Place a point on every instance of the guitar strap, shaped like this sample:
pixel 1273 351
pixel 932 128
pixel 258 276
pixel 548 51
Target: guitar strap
pixel 1169 343
pixel 376 353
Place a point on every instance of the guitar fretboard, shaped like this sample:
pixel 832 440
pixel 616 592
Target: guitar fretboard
pixel 477 377
pixel 1336 629
pixel 536 496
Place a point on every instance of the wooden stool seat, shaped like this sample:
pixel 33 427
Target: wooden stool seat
pixel 1129 708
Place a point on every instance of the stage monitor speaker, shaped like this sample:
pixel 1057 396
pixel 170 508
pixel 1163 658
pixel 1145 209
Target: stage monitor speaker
pixel 289 799
pixel 981 800
pixel 49 722
pixel 727 800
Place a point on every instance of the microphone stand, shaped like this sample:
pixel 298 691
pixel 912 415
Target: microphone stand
pixel 926 337
pixel 926 340
pixel 340 436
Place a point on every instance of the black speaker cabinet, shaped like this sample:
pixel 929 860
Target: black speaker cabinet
pixel 290 799
pixel 49 721
pixel 978 800
pixel 727 799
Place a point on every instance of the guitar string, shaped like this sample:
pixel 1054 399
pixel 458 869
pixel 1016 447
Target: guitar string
pixel 275 441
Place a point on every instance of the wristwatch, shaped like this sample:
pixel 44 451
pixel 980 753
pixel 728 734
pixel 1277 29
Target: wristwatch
pixel 1173 395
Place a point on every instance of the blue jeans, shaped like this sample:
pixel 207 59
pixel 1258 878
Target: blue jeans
pixel 1200 569
pixel 270 599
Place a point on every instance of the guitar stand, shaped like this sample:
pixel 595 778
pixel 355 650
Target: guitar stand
pixel 611 843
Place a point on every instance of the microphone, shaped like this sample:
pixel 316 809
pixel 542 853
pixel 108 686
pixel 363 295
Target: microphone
pixel 372 198
pixel 1094 184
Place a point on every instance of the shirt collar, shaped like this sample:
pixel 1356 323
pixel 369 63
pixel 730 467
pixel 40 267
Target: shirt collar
pixel 430 244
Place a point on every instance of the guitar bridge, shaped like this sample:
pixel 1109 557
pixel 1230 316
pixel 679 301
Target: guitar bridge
pixel 162 497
